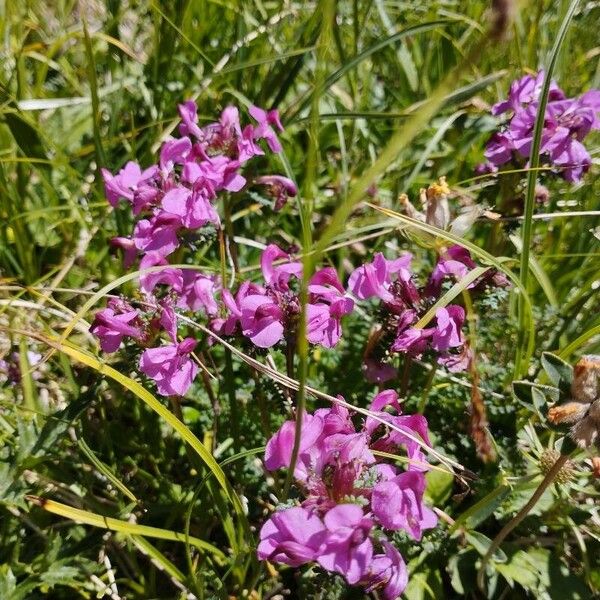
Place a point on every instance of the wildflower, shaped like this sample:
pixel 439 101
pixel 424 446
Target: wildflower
pixel 158 234
pixel 261 320
pixel 566 123
pixel 170 367
pixel 281 188
pixel 350 495
pixel 327 306
pixel 387 571
pixel 267 314
pixel 198 292
pixel 375 279
pixel 292 537
pixel 347 548
pixel 264 130
pixel 115 322
pixel 126 182
pixel 398 504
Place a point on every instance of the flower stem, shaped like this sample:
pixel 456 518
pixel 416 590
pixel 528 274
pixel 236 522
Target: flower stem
pixel 545 483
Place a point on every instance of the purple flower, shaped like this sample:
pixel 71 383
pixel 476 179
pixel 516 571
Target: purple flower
pixel 326 308
pixel 455 262
pixel 499 149
pixel 113 323
pixel 158 234
pixel 128 247
pixel 398 504
pixel 169 276
pixel 198 292
pixel 279 448
pixel 170 367
pixel 264 130
pixel 447 332
pixel 282 188
pixel 387 571
pixel 566 123
pixel 374 279
pixel 188 112
pixel 526 90
pixel 261 320
pixel 278 276
pixel 125 183
pixel 292 536
pixel 174 152
pixel 347 548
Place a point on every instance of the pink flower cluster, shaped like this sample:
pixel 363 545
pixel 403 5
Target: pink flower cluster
pixel 169 199
pixel 266 314
pixel 403 304
pixel 178 193
pixel 567 122
pixel 349 496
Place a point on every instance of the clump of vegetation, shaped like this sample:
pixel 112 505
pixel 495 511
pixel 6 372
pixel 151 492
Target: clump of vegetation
pixel 340 346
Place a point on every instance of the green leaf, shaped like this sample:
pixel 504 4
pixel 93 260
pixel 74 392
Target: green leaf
pixel 482 543
pixel 439 487
pixel 559 371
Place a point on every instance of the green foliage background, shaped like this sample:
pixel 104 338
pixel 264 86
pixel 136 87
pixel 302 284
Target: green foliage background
pixel 92 84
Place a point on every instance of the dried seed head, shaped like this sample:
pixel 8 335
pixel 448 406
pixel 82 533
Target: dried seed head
pixel 571 412
pixel 547 460
pixel 586 379
pixel 436 200
pixel 585 433
pixel 596 467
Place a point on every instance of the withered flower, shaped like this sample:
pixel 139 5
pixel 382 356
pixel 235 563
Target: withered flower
pixel 583 411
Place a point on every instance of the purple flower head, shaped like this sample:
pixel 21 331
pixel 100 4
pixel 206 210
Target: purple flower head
pixel 398 504
pixel 278 276
pixel 278 452
pixel 129 250
pixel 567 122
pixel 292 536
pixel 347 548
pixel 261 320
pixel 125 183
pixel 281 188
pixel 264 130
pixel 447 332
pixel 169 276
pixel 170 367
pixel 455 262
pixel 526 90
pixel 188 111
pixel 198 292
pixel 374 279
pixel 113 323
pixel 387 572
pixel 158 234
